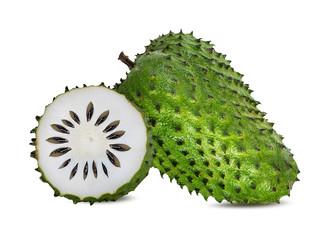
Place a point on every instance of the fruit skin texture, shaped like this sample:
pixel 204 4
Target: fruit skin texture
pixel 209 134
pixel 123 190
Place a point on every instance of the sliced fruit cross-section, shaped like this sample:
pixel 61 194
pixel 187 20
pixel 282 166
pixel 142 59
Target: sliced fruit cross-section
pixel 92 144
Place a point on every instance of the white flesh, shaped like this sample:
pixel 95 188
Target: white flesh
pixel 89 143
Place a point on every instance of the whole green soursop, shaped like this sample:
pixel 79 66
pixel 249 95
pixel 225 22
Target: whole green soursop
pixel 209 134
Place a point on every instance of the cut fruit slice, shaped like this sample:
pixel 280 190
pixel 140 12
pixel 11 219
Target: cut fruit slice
pixel 92 145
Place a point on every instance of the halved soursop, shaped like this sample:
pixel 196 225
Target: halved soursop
pixel 209 134
pixel 92 145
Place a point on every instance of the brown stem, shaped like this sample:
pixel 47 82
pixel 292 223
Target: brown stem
pixel 126 60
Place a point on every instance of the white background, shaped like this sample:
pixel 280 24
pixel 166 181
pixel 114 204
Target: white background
pixel 280 47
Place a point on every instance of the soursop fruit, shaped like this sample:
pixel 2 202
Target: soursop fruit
pixel 208 133
pixel 92 145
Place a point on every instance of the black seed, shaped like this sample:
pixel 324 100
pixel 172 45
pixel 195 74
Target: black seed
pixel 64 164
pixel 68 123
pixel 60 151
pixel 94 169
pixel 111 126
pixel 59 128
pixel 238 190
pixel 57 140
pixel 73 172
pixel 102 118
pixel 274 189
pixel 75 117
pixel 85 171
pixel 90 110
pixel 116 135
pixel 113 159
pixel 253 186
pixel 120 147
pixel 104 169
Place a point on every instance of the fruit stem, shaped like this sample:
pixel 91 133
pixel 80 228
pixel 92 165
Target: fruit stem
pixel 126 60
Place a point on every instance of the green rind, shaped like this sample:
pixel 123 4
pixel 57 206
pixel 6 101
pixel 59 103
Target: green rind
pixel 229 150
pixel 124 189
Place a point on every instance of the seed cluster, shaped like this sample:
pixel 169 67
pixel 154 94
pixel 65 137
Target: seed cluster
pixel 69 126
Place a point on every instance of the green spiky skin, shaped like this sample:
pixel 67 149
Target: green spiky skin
pixel 209 134
pixel 123 190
